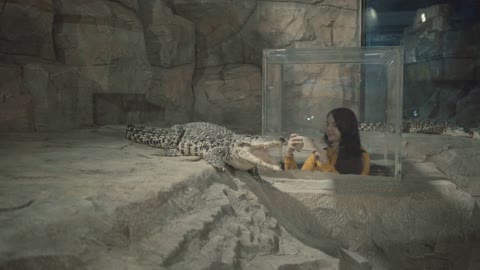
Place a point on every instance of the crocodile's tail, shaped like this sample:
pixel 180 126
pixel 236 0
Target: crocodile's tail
pixel 165 138
pixel 372 126
pixel 136 133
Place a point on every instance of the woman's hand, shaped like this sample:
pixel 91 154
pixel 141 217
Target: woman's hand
pixel 321 155
pixel 293 143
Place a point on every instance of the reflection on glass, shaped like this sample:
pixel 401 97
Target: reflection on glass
pixel 300 86
pixel 441 41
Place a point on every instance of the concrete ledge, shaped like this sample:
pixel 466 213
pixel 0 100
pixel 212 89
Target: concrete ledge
pixel 396 225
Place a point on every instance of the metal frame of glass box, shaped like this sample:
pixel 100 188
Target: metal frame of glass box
pixel 371 78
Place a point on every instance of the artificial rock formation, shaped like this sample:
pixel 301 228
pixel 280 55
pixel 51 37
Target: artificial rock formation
pixel 68 64
pixel 90 199
pixel 232 93
pixel 109 204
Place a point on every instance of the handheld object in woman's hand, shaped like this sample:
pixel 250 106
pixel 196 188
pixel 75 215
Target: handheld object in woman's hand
pixel 306 144
pixel 298 143
pixel 321 155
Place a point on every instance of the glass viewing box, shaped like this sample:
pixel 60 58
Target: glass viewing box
pixel 300 86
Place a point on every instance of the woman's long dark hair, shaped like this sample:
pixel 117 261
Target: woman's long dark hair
pixel 350 149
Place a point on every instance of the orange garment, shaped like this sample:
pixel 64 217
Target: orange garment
pixel 312 164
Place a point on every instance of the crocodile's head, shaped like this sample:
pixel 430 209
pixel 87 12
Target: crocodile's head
pixel 458 131
pixel 248 151
pixel 475 133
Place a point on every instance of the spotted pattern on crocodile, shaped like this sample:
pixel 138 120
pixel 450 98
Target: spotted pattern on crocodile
pixel 425 126
pixel 215 144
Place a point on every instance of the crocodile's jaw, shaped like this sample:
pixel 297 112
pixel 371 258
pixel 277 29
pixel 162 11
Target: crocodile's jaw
pixel 247 152
pixel 460 132
pixel 247 158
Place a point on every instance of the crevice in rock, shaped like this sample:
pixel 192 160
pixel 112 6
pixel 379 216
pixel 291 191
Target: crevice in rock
pixel 316 3
pixel 141 217
pixel 227 38
pixel 197 238
pixel 125 6
pixel 18 207
pixel 4 6
pixel 58 262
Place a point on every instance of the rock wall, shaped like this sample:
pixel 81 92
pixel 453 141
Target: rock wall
pixel 66 64
pixel 442 64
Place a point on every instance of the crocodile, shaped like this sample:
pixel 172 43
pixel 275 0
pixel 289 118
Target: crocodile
pixel 425 126
pixel 217 145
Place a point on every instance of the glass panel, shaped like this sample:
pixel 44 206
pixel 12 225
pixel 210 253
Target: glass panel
pixel 300 86
pixel 441 40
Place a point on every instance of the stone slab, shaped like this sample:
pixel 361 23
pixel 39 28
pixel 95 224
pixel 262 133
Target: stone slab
pixel 90 199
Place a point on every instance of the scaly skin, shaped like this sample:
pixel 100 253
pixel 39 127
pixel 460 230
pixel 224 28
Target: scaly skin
pixel 425 126
pixel 215 144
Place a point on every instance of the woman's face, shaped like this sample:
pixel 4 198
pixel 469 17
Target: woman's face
pixel 333 133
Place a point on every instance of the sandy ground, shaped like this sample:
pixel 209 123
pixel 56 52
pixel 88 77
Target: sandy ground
pixel 90 199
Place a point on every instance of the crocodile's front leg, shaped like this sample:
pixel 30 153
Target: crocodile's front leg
pixel 215 157
pixel 172 153
pixel 256 175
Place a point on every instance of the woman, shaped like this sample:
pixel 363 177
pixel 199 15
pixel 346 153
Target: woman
pixel 343 154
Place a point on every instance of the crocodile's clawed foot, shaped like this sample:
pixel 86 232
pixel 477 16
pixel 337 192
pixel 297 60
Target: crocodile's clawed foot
pixel 256 175
pixel 253 172
pixel 189 158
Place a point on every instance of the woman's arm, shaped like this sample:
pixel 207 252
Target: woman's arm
pixel 289 160
pixel 366 163
pixel 313 163
pixel 290 163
